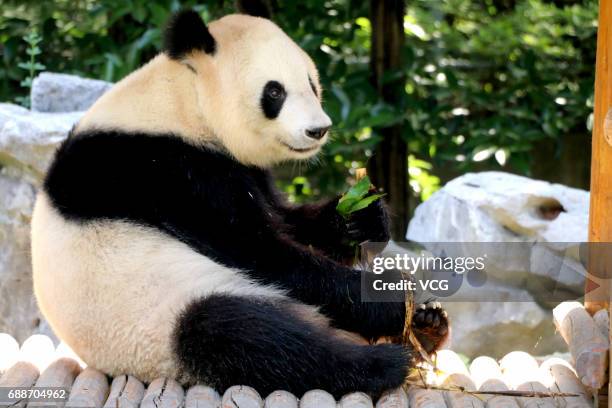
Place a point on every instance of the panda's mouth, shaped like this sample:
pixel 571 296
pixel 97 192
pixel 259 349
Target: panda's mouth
pixel 300 149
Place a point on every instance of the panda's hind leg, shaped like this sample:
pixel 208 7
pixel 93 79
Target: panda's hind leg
pixel 224 340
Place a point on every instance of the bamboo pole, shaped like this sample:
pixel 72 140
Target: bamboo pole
pixel 125 392
pixel 202 396
pixel 587 345
pixel 241 396
pixel 317 399
pixel 163 393
pixel 90 389
pixel 280 399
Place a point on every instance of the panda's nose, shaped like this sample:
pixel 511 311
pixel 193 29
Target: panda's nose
pixel 317 133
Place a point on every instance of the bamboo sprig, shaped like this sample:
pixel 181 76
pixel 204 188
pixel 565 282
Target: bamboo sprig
pixel 408 337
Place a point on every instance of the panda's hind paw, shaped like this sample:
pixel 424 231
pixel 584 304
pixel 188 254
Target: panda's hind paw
pixel 431 325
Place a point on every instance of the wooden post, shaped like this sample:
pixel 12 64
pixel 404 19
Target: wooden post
pixel 597 289
pixel 600 224
pixel 388 167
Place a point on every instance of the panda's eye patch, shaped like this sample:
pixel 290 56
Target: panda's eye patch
pixel 272 99
pixel 274 90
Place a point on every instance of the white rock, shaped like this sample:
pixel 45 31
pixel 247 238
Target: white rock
pixel 28 139
pixel 19 314
pixel 500 207
pixel 27 143
pixel 497 328
pixel 53 92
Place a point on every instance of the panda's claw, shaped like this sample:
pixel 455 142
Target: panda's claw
pixel 433 305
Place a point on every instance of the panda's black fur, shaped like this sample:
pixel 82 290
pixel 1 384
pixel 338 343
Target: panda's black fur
pixel 187 32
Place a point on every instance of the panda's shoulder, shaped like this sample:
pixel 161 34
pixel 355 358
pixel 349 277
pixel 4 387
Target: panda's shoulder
pixel 128 162
pixel 135 152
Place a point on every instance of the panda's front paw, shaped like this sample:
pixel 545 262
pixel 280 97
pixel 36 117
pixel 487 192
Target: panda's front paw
pixel 369 224
pixel 431 326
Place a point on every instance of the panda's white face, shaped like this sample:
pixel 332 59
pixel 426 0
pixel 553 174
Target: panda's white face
pixel 254 91
pixel 271 108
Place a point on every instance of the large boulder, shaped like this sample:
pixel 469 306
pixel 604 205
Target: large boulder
pixel 531 232
pixel 28 140
pixel 502 207
pixel 53 92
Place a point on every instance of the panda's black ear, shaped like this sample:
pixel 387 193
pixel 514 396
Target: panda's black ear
pixel 187 32
pixel 256 8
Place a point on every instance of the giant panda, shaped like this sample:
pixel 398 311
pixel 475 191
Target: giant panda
pixel 162 248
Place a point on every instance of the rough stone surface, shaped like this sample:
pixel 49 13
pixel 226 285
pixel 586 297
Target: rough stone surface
pixel 18 312
pixel 27 142
pixel 28 139
pixel 496 328
pixel 53 92
pixel 546 222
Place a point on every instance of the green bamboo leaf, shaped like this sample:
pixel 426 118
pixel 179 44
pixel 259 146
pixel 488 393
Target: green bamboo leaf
pixel 353 196
pixel 344 206
pixel 365 202
pixel 359 190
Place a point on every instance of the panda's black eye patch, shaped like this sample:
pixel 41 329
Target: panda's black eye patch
pixel 272 99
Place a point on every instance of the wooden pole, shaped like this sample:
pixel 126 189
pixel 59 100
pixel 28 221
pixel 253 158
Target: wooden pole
pixel 388 167
pixel 597 288
pixel 600 223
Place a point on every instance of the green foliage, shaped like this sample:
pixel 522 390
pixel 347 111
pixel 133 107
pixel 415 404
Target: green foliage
pixel 422 181
pixel 487 80
pixel 32 67
pixel 357 198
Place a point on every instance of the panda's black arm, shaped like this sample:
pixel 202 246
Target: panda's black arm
pixel 321 226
